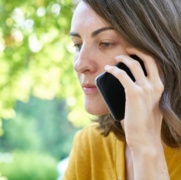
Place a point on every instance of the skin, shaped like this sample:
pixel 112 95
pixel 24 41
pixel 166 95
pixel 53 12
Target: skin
pixel 98 49
pixel 92 53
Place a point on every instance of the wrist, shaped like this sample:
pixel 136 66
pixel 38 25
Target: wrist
pixel 154 162
pixel 146 145
pixel 148 153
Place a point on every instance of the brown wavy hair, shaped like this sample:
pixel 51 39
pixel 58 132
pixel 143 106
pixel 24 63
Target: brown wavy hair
pixel 153 27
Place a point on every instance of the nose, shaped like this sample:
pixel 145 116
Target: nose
pixel 85 61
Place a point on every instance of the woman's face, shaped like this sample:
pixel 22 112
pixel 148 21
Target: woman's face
pixel 96 44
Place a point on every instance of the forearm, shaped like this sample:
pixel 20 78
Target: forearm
pixel 150 164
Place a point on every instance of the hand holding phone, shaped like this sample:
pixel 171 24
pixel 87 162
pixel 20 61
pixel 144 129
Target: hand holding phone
pixel 112 90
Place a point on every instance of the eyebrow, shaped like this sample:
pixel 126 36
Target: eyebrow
pixel 94 33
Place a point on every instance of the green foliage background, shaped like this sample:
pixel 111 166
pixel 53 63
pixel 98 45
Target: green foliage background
pixel 41 104
pixel 29 166
pixel 40 125
pixel 36 55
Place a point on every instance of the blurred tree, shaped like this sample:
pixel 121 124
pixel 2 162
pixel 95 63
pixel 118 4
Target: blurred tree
pixel 36 55
pixel 40 126
pixel 28 166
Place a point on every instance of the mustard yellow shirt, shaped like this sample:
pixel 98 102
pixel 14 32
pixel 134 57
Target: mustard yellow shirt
pixel 95 157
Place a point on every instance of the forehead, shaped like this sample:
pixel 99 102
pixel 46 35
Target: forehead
pixel 84 17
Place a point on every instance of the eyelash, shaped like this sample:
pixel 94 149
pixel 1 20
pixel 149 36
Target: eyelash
pixel 77 47
pixel 104 45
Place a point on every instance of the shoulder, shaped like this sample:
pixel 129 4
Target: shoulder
pixel 90 152
pixel 172 156
pixel 88 135
pixel 91 136
pixel 91 129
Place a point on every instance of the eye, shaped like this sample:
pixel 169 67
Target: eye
pixel 106 45
pixel 77 47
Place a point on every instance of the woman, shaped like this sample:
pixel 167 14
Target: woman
pixel 146 144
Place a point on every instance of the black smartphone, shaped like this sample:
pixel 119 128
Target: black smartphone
pixel 112 90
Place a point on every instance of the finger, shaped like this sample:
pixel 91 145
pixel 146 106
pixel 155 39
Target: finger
pixel 149 62
pixel 121 75
pixel 151 68
pixel 134 66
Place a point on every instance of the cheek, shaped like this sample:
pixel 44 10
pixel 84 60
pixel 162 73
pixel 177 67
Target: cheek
pixel 75 64
pixel 80 77
pixel 95 105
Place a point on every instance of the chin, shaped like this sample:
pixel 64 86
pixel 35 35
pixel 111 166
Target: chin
pixel 96 113
pixel 97 109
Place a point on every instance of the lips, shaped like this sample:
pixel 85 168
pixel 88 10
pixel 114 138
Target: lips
pixel 89 88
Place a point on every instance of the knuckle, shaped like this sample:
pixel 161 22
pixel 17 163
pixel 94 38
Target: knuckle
pixel 159 87
pixel 120 73
pixel 134 64
pixel 148 89
pixel 136 93
pixel 149 58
